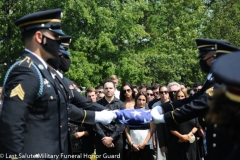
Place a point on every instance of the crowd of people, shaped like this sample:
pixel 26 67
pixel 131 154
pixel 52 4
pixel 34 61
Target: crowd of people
pixel 145 142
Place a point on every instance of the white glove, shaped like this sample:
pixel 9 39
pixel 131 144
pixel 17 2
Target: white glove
pixel 157 115
pixel 105 117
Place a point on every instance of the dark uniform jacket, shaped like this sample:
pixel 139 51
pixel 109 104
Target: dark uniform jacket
pixel 218 146
pixel 31 125
pixel 80 109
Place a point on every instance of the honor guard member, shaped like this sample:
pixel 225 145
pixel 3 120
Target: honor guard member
pixel 33 121
pixel 84 113
pixel 182 111
pixel 225 104
pixel 80 101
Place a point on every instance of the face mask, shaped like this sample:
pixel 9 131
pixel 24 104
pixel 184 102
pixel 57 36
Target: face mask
pixel 64 64
pixel 54 63
pixel 52 47
pixel 204 66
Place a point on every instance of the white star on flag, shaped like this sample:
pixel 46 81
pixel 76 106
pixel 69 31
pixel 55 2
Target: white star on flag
pixel 145 121
pixel 136 113
pixel 125 121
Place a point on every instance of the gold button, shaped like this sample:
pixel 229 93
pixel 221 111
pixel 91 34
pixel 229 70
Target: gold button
pixel 69 129
pixel 68 118
pixel 214 135
pixel 51 97
pixel 205 128
pixel 215 125
pixel 67 108
pixel 61 126
pixel 214 145
pixel 203 119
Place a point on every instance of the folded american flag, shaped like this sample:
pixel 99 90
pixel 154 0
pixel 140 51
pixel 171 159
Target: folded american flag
pixel 134 117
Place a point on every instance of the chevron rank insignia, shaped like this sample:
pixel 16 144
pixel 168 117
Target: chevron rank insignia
pixel 210 91
pixel 18 91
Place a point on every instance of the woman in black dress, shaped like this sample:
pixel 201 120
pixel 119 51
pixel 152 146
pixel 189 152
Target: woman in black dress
pixel 179 147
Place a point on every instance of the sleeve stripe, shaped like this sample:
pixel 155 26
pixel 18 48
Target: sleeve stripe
pixel 172 106
pixel 85 114
pixel 173 117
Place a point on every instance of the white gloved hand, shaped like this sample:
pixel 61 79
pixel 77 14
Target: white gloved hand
pixel 157 115
pixel 105 117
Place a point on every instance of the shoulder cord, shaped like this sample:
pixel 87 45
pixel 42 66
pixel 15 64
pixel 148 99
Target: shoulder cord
pixel 40 91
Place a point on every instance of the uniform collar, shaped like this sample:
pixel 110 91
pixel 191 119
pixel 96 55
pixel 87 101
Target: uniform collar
pixel 59 73
pixel 39 58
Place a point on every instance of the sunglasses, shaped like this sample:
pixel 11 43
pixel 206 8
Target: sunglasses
pixel 148 94
pixel 156 92
pixel 165 92
pixel 99 92
pixel 127 90
pixel 195 90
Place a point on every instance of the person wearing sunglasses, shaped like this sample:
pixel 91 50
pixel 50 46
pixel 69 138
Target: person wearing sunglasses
pixel 197 87
pixel 161 130
pixel 173 87
pixel 155 89
pixel 150 95
pixel 99 89
pixel 197 105
pixel 127 95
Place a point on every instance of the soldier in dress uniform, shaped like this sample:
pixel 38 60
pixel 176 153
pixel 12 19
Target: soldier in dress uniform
pixel 34 118
pixel 197 105
pixel 225 104
pixel 77 99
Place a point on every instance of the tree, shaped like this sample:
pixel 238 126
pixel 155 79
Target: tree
pixel 140 41
pixel 174 25
pixel 224 21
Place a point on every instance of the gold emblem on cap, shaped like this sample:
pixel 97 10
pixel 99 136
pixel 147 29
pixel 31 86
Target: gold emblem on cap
pixel 40 67
pixel 18 91
pixel 42 25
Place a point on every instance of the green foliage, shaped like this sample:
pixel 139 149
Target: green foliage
pixel 140 41
pixel 224 22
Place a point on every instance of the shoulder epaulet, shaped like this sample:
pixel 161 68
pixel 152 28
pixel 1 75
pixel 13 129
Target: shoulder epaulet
pixel 20 62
